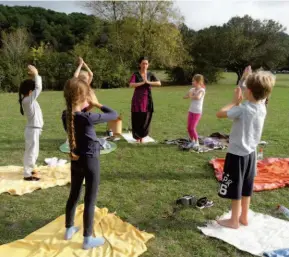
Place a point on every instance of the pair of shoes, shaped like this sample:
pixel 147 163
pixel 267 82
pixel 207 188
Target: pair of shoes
pixel 196 147
pixel 204 203
pixel 186 200
pixel 191 145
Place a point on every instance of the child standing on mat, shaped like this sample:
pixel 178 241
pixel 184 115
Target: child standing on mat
pixel 85 151
pixel 240 164
pixel 29 91
pixel 196 94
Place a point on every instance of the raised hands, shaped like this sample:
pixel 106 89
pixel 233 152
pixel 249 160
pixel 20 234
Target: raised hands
pixel 80 61
pixel 32 70
pixel 238 96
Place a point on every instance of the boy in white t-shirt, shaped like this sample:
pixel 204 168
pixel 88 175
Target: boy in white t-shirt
pixel 240 164
pixel 197 95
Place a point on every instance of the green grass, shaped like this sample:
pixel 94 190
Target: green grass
pixel 142 182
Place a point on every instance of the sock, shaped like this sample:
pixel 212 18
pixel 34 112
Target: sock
pixel 91 242
pixel 70 232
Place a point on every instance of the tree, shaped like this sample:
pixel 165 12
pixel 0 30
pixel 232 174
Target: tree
pixel 14 55
pixel 241 42
pixel 142 28
pixel 62 31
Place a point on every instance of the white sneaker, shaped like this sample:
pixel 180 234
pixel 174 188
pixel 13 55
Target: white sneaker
pixel 191 145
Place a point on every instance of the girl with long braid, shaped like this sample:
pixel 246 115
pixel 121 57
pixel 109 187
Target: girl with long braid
pixel 85 151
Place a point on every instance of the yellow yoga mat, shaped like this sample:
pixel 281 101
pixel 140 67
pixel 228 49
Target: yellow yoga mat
pixel 12 182
pixel 122 239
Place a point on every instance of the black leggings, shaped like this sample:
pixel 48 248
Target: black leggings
pixel 85 168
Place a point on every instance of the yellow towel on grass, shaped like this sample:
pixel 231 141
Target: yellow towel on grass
pixel 122 239
pixel 12 182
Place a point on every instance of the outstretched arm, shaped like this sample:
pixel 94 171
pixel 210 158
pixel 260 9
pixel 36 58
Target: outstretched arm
pixel 33 72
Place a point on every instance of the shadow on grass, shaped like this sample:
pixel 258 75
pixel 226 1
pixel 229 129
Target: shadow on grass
pixel 42 141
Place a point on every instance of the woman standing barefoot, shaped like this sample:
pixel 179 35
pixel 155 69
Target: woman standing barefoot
pixel 142 107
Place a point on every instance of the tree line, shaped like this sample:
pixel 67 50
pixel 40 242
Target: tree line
pixel 112 40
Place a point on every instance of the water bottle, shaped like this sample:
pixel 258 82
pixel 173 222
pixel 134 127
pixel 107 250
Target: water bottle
pixel 283 210
pixel 260 154
pixel 110 133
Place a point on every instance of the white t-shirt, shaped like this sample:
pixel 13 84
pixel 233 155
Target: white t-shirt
pixel 248 120
pixel 197 105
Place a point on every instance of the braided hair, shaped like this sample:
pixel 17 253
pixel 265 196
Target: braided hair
pixel 75 92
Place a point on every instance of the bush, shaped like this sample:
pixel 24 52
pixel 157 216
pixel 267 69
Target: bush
pixel 55 68
pixel 181 75
pixel 117 75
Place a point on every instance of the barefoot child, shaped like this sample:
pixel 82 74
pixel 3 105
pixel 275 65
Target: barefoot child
pixel 85 151
pixel 240 164
pixel 28 93
pixel 196 94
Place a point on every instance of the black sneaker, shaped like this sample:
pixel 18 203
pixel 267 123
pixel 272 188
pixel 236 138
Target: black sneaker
pixel 32 178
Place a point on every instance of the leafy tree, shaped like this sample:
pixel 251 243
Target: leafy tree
pixel 14 54
pixel 142 28
pixel 241 42
pixel 62 31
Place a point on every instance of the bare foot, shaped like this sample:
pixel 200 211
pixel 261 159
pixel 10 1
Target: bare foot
pixel 244 221
pixel 228 223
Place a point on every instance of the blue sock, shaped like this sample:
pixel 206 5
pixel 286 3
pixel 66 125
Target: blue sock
pixel 70 232
pixel 91 242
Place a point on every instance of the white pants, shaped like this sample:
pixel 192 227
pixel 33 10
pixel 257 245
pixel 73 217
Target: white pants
pixel 31 149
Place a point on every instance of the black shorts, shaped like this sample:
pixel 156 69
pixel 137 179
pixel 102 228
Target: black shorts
pixel 238 177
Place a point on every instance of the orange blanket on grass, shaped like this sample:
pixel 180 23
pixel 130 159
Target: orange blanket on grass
pixel 272 173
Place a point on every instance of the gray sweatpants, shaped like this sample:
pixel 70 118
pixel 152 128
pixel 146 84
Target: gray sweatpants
pixel 31 149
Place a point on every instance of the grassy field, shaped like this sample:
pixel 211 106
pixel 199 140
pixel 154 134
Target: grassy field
pixel 142 182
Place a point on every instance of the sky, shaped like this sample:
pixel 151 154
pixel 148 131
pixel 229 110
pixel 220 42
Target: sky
pixel 198 14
